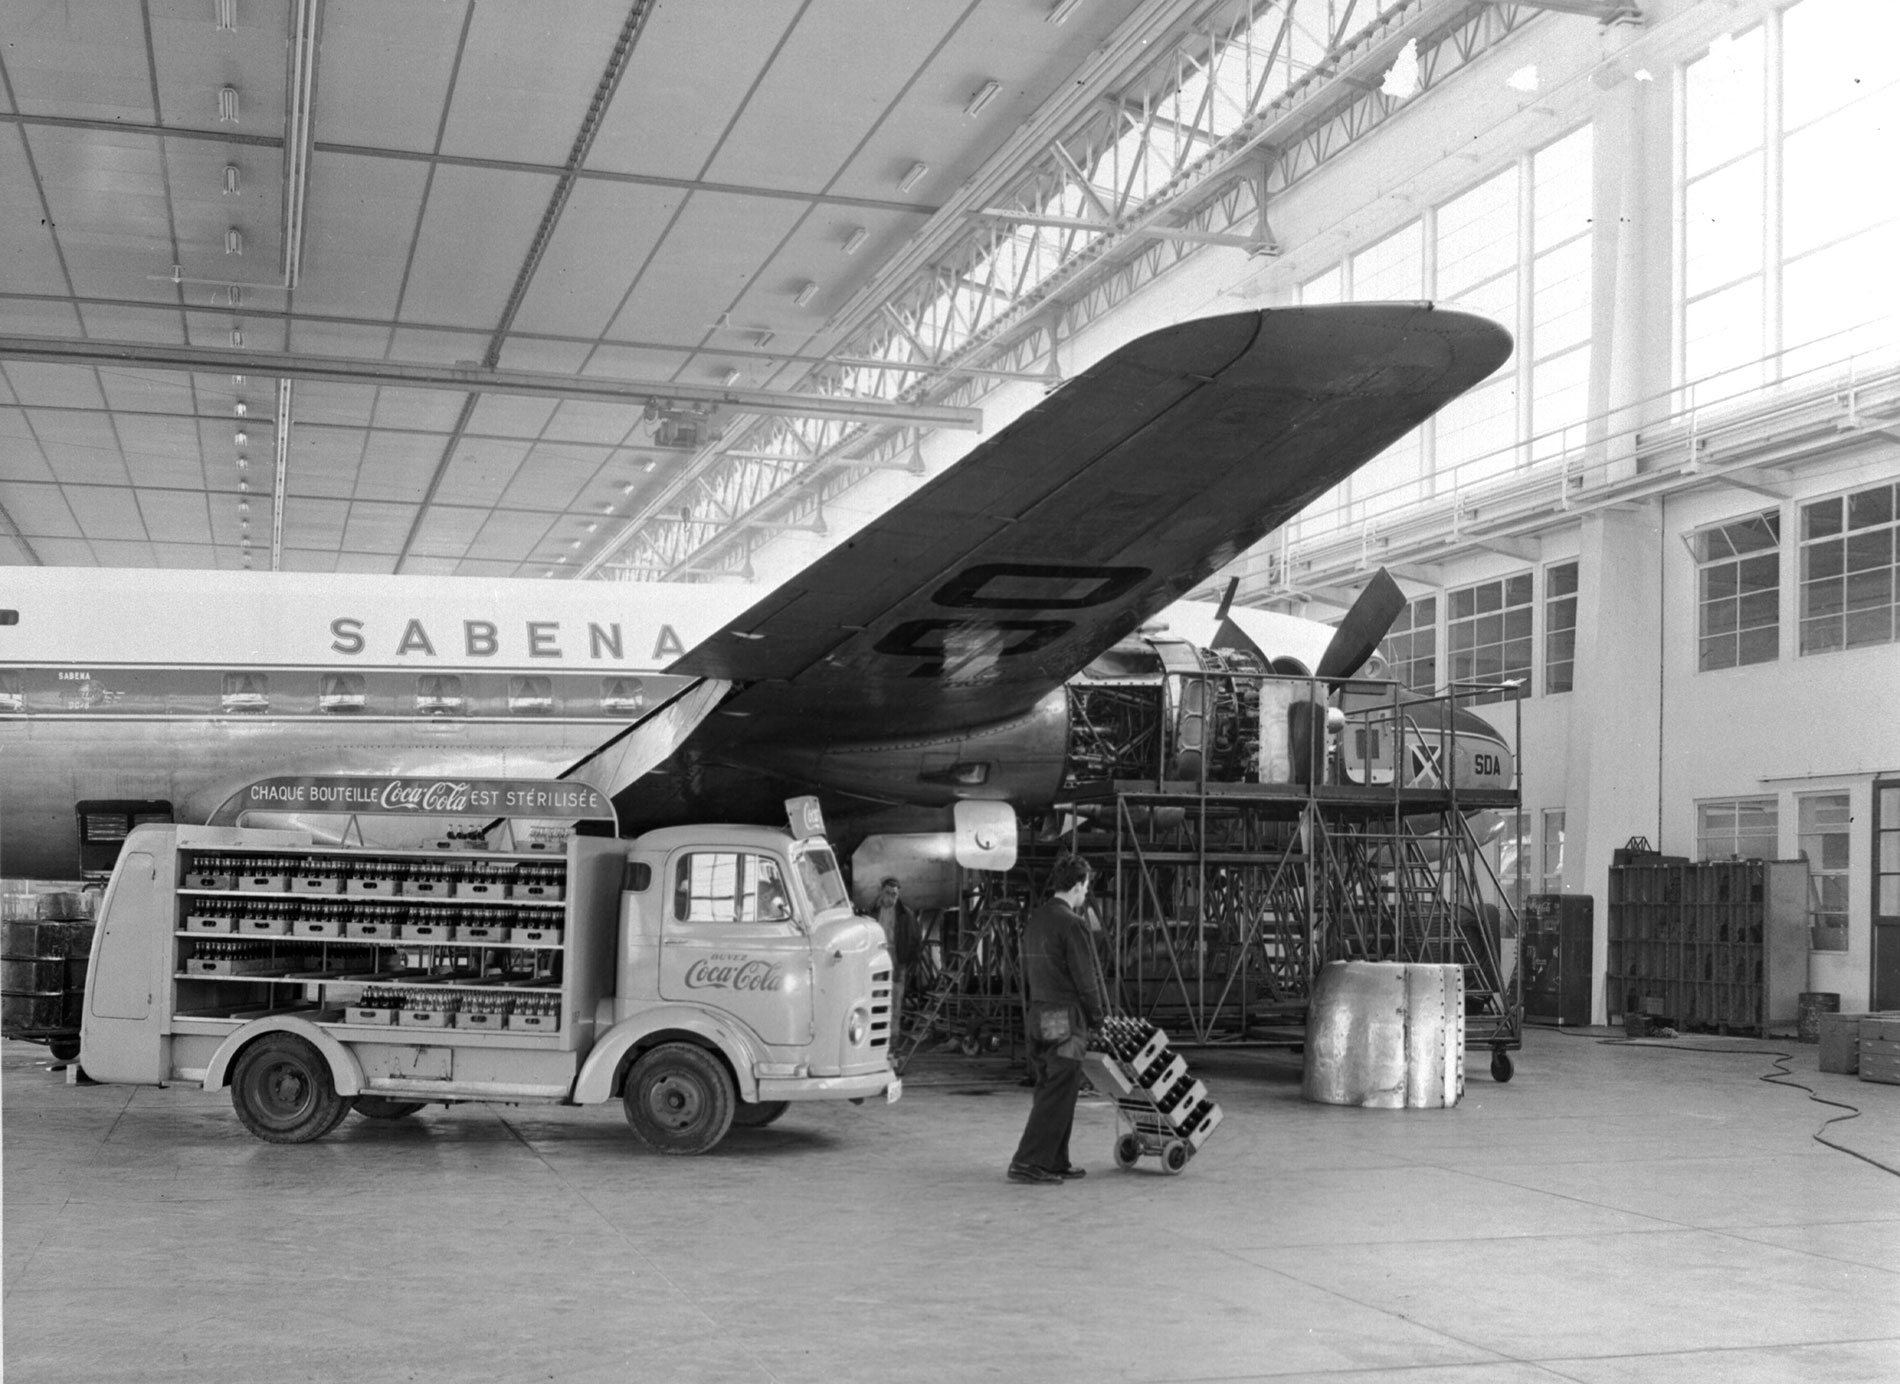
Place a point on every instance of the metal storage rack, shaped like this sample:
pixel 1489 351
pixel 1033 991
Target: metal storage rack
pixel 296 941
pixel 1719 945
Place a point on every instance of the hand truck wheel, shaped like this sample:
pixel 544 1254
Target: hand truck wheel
pixel 1127 1151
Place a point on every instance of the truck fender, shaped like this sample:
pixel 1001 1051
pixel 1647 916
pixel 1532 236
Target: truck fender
pixel 596 1080
pixel 345 1073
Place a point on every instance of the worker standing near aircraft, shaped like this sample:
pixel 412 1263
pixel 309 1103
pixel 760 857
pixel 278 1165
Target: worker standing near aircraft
pixel 1064 1002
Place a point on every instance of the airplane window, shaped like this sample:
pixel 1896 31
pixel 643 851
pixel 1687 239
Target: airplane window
pixel 622 696
pixel 729 887
pixel 9 617
pixel 530 696
pixel 342 692
pixel 439 694
pixel 246 693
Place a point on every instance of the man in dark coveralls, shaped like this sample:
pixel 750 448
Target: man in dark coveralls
pixel 1064 1002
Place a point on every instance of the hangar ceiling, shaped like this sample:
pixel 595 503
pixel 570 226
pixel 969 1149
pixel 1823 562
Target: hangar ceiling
pixel 615 288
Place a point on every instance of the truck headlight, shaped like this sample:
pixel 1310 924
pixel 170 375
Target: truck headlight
pixel 857 1027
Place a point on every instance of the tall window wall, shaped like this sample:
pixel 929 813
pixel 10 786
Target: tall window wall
pixel 1514 248
pixel 1789 233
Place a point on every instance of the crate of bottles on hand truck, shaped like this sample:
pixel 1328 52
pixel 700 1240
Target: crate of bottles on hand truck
pixel 1168 1112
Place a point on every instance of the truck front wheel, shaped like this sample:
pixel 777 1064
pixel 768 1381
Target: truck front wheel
pixel 283 1093
pixel 679 1099
pixel 758 1114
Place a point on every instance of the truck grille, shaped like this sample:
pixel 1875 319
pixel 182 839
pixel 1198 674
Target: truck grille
pixel 880 1009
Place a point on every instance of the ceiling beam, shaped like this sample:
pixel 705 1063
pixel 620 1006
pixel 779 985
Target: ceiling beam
pixel 466 378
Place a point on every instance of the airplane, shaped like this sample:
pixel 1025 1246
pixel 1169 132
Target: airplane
pixel 922 663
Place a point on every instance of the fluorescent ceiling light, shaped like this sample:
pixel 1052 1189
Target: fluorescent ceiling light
pixel 810 290
pixel 985 94
pixel 852 244
pixel 912 178
pixel 1062 10
pixel 729 379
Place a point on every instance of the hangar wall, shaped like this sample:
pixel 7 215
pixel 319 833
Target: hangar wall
pixel 1689 341
pixel 1658 314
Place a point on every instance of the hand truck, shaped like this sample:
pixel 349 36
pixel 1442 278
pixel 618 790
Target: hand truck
pixel 1168 1113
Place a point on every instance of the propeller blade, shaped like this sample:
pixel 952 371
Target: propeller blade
pixel 1358 635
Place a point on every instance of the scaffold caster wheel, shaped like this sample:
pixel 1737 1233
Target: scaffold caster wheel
pixel 1127 1151
pixel 1175 1155
pixel 1501 1068
pixel 970 1046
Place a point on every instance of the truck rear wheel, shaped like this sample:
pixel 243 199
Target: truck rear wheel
pixel 283 1093
pixel 757 1114
pixel 679 1099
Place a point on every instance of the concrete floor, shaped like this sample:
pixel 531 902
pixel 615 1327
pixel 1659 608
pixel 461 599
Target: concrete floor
pixel 1617 1213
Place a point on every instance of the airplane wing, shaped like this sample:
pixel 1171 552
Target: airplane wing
pixel 1115 496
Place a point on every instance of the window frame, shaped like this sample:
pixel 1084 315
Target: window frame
pixel 747 889
pixel 1768 804
pixel 1710 563
pixel 1833 899
pixel 1550 604
pixel 1843 536
pixel 1507 672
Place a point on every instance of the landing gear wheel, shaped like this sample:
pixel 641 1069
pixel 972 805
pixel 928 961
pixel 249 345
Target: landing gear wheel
pixel 1174 1155
pixel 679 1099
pixel 283 1093
pixel 383 1108
pixel 758 1114
pixel 63 1049
pixel 1501 1068
pixel 1127 1151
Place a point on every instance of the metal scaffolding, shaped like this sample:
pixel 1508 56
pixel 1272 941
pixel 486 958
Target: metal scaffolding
pixel 1221 897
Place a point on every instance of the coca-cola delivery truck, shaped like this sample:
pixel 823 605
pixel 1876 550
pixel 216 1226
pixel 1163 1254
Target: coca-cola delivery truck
pixel 704 976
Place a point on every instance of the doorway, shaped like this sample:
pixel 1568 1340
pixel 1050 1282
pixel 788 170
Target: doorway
pixel 1885 987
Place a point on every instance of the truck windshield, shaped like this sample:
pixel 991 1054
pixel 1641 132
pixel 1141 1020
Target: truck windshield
pixel 818 873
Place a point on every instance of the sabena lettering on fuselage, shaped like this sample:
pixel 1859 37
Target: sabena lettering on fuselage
pixel 484 639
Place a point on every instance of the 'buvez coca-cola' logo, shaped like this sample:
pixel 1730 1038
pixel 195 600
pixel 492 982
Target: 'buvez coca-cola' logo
pixel 398 796
pixel 725 973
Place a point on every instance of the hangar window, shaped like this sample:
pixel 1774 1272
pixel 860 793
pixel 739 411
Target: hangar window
pixel 1560 627
pixel 1738 592
pixel 530 696
pixel 11 698
pixel 1559 348
pixel 1411 645
pixel 342 693
pixel 1737 829
pixel 1786 249
pixel 439 694
pixel 1551 863
pixel 246 693
pixel 1848 570
pixel 1488 633
pixel 1824 819
pixel 729 887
